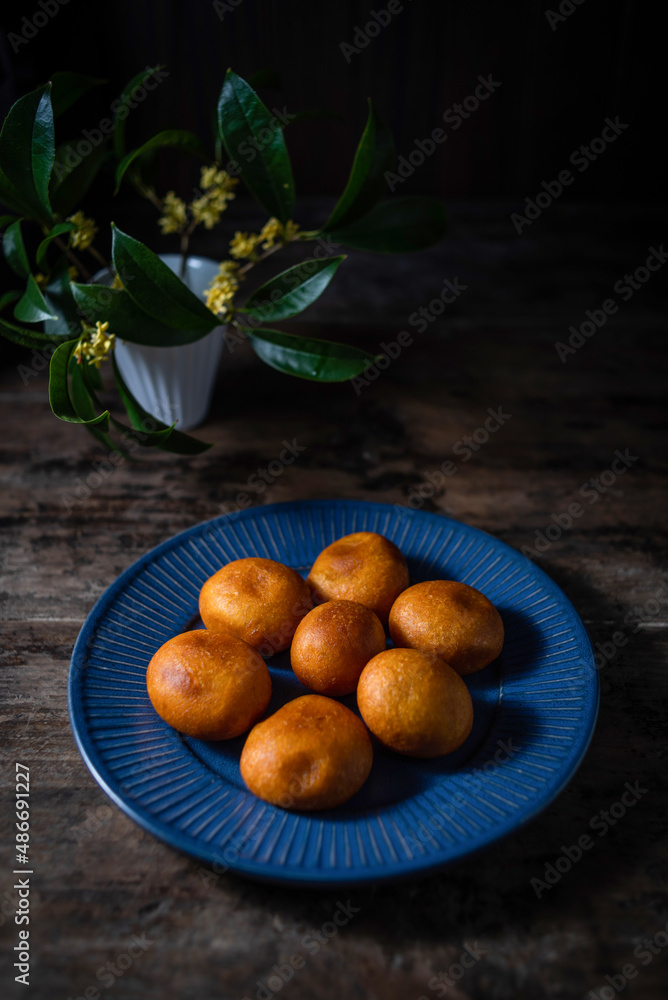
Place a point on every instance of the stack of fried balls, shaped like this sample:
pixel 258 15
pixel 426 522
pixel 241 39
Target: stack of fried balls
pixel 314 752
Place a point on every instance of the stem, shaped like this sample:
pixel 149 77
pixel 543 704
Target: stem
pixel 147 192
pixel 153 198
pixel 185 239
pixel 263 256
pixel 85 273
pixel 99 258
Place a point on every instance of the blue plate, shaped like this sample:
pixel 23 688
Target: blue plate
pixel 535 708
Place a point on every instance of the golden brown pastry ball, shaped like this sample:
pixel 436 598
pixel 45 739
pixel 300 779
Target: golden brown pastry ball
pixel 314 753
pixel 333 644
pixel 211 685
pixel 363 567
pixel 415 703
pixel 259 600
pixel 451 619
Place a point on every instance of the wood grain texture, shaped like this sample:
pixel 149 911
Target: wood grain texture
pixel 99 879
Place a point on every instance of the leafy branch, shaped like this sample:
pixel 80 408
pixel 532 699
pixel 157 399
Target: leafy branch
pixel 77 320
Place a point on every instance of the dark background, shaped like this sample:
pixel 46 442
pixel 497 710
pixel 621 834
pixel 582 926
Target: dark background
pixel 603 60
pixel 557 86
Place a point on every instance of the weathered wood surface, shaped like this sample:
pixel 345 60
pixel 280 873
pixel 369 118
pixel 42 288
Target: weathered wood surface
pixel 99 879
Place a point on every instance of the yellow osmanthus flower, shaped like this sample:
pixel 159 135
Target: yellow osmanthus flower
pixel 218 187
pixel 95 345
pixel 244 244
pixel 228 269
pixel 270 233
pixel 207 210
pixel 222 289
pixel 41 280
pixel 224 183
pixel 175 214
pixel 82 237
pixel 117 283
pixel 273 231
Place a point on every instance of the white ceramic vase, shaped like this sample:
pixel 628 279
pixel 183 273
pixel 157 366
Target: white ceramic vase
pixel 175 383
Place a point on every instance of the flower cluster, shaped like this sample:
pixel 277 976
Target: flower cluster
pixel 290 231
pixel 246 244
pixel 175 214
pixel 95 344
pixel 82 237
pixel 217 189
pixel 243 245
pixel 223 288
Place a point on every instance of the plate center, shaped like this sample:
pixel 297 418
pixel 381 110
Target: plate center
pixel 393 777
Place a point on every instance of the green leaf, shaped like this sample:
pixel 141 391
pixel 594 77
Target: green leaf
pixel 7 298
pixel 72 183
pixel 123 108
pixel 43 150
pixel 366 184
pixel 22 335
pixel 6 219
pixel 93 377
pixel 59 393
pixel 73 174
pixel 157 290
pixel 58 230
pixel 60 301
pixel 175 137
pixel 305 357
pixel 397 226
pixel 126 319
pixel 83 399
pixel 67 88
pixel 27 150
pixel 149 439
pixel 32 307
pixel 83 380
pixel 175 441
pixel 253 138
pixel 293 290
pixel 10 197
pixel 265 78
pixel 15 251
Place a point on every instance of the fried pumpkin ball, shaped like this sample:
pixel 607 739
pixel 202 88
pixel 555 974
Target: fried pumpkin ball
pixel 211 685
pixel 314 753
pixel 260 600
pixel 415 703
pixel 333 644
pixel 451 619
pixel 363 567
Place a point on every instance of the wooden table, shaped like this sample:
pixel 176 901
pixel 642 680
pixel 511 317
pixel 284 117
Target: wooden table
pixel 100 880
